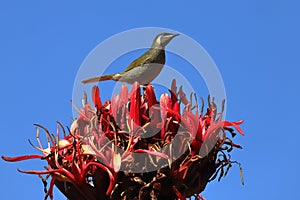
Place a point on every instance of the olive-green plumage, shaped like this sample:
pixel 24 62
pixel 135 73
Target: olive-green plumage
pixel 145 68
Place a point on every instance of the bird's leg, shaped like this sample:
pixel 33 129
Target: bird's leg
pixel 144 87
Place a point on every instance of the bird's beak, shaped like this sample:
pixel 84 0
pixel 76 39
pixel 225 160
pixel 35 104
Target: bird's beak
pixel 174 35
pixel 171 36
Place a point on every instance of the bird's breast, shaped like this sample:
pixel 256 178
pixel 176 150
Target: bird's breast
pixel 144 74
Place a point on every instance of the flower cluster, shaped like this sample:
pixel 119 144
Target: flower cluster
pixel 137 147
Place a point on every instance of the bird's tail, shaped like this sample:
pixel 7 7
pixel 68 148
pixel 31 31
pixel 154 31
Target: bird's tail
pixel 99 78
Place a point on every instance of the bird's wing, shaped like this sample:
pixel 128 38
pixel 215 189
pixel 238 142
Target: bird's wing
pixel 145 58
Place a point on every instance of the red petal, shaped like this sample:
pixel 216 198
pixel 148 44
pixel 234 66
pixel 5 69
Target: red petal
pixel 191 122
pixel 50 191
pixel 20 158
pixel 124 94
pixel 174 92
pixel 165 104
pixel 96 97
pixel 235 125
pixel 176 107
pixel 115 105
pixel 182 95
pixel 135 104
pixel 211 129
pixel 150 96
pixel 238 122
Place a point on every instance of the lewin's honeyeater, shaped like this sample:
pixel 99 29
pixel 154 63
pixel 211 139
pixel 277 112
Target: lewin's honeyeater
pixel 145 68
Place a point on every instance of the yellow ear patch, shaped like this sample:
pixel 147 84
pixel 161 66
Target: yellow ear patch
pixel 158 40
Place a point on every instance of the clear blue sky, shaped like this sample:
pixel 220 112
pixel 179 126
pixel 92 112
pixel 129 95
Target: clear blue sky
pixel 254 43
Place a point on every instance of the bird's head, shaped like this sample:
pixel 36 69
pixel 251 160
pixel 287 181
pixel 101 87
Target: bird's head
pixel 162 39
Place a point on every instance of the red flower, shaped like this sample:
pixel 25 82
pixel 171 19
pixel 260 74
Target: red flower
pixel 137 146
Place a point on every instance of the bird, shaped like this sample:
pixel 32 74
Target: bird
pixel 145 68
